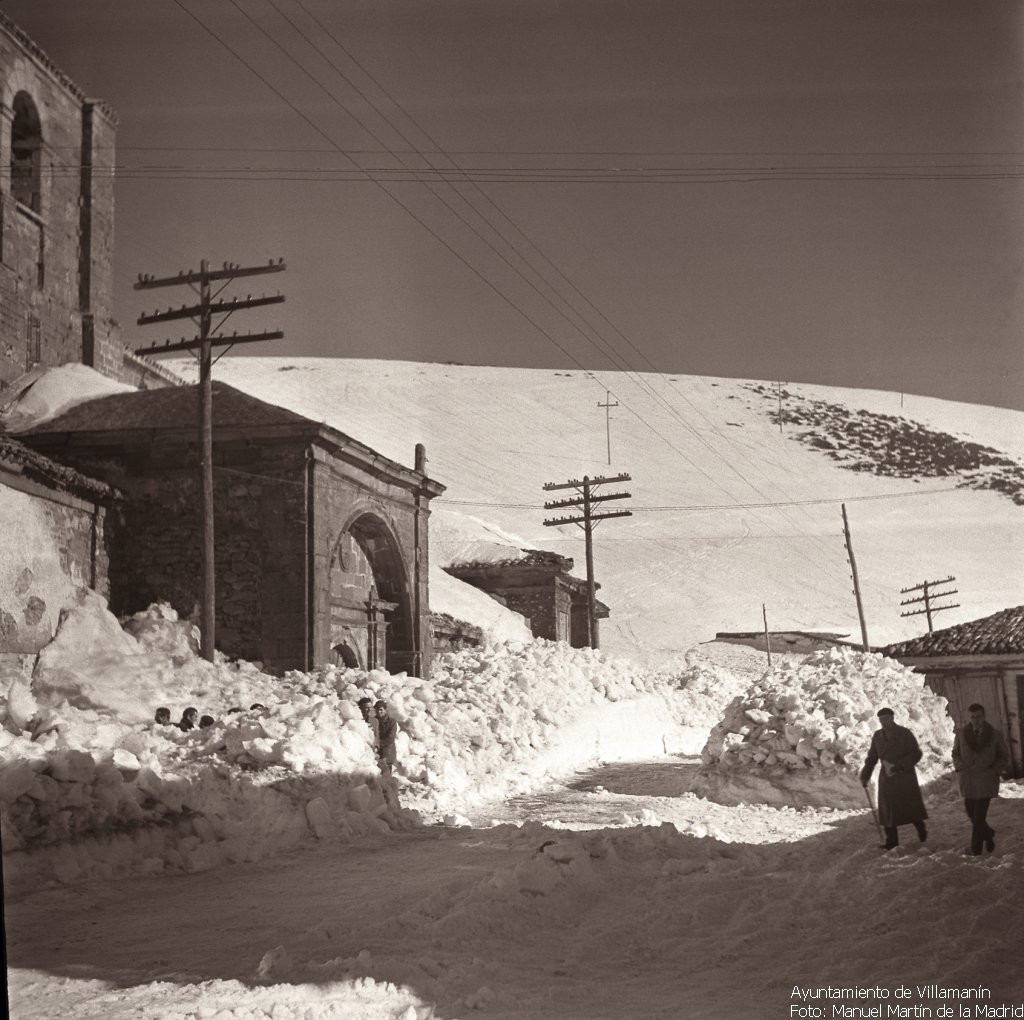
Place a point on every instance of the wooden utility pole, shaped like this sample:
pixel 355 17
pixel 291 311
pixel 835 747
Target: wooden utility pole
pixel 767 643
pixel 779 384
pixel 856 583
pixel 927 597
pixel 588 521
pixel 203 314
pixel 607 405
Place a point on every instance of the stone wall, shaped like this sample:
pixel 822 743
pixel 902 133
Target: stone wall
pixel 56 251
pixel 259 544
pixel 51 543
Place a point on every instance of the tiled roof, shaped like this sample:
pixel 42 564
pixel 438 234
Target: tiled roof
pixel 167 408
pixel 1001 633
pixel 20 459
pixel 533 558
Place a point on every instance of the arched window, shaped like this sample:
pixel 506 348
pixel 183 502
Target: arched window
pixel 26 153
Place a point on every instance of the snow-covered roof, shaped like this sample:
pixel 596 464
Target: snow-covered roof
pixel 176 409
pixel 1001 633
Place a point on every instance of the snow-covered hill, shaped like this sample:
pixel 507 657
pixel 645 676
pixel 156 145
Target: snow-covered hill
pixel 729 510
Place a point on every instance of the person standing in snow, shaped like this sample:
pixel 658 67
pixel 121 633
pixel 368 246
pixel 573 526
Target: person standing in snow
pixel 188 719
pixel 980 756
pixel 387 731
pixel 899 796
pixel 366 708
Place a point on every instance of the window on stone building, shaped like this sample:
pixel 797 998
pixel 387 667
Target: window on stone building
pixel 26 153
pixel 33 341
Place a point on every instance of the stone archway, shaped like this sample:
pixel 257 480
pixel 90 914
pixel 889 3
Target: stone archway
pixel 370 605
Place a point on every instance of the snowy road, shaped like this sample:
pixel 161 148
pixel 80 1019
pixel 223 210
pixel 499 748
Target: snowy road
pixel 620 922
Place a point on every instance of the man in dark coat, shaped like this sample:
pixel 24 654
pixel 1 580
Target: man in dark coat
pixel 899 796
pixel 979 758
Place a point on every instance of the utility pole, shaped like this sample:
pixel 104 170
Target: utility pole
pixel 779 384
pixel 607 405
pixel 926 597
pixel 588 521
pixel 856 583
pixel 767 643
pixel 203 315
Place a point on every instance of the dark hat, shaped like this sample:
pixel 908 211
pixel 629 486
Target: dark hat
pixel 884 711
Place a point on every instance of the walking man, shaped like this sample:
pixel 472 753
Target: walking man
pixel 979 758
pixel 899 796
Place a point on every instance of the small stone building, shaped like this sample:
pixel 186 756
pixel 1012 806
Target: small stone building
pixel 979 661
pixel 539 587
pixel 57 223
pixel 321 543
pixel 53 540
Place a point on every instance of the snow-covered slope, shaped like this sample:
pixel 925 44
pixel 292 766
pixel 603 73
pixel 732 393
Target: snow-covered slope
pixel 729 511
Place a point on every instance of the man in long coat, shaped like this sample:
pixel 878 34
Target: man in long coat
pixel 899 796
pixel 979 758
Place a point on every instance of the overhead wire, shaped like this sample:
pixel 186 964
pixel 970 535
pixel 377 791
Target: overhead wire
pixel 404 205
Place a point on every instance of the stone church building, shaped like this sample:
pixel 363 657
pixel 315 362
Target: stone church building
pixel 321 543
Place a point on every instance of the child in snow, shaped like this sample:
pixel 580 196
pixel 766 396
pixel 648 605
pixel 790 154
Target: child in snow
pixel 188 719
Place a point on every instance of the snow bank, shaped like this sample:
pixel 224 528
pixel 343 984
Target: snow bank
pixel 90 785
pixel 799 735
pixel 45 393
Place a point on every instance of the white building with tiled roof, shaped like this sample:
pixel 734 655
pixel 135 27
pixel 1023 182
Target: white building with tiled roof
pixel 979 661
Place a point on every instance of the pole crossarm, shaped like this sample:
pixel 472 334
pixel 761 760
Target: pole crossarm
pixel 594 518
pixel 927 584
pixel 225 341
pixel 230 271
pixel 213 308
pixel 930 596
pixel 555 504
pixel 578 483
pixel 930 609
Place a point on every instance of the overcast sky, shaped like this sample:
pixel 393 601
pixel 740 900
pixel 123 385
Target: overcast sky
pixel 797 189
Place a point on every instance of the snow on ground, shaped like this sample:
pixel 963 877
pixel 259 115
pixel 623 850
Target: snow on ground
pixel 89 785
pixel 261 868
pixel 617 893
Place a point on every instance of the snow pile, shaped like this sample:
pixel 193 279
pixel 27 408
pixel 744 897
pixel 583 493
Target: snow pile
pixel 800 734
pixel 45 393
pixel 464 602
pixel 90 785
pixel 708 678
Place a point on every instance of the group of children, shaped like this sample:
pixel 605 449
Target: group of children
pixel 190 718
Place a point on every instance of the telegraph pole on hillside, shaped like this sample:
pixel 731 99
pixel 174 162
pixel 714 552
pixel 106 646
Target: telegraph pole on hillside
pixel 856 583
pixel 608 405
pixel 203 313
pixel 587 521
pixel 926 597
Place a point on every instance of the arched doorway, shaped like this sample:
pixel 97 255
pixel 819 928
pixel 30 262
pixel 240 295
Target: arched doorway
pixel 371 615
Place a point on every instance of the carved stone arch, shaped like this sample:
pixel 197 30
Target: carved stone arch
pixel 370 598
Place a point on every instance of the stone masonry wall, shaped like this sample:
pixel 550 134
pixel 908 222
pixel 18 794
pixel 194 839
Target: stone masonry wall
pixel 49 547
pixel 56 263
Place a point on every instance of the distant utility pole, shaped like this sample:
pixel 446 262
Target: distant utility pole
pixel 926 597
pixel 767 643
pixel 607 405
pixel 779 384
pixel 203 314
pixel 587 521
pixel 856 583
